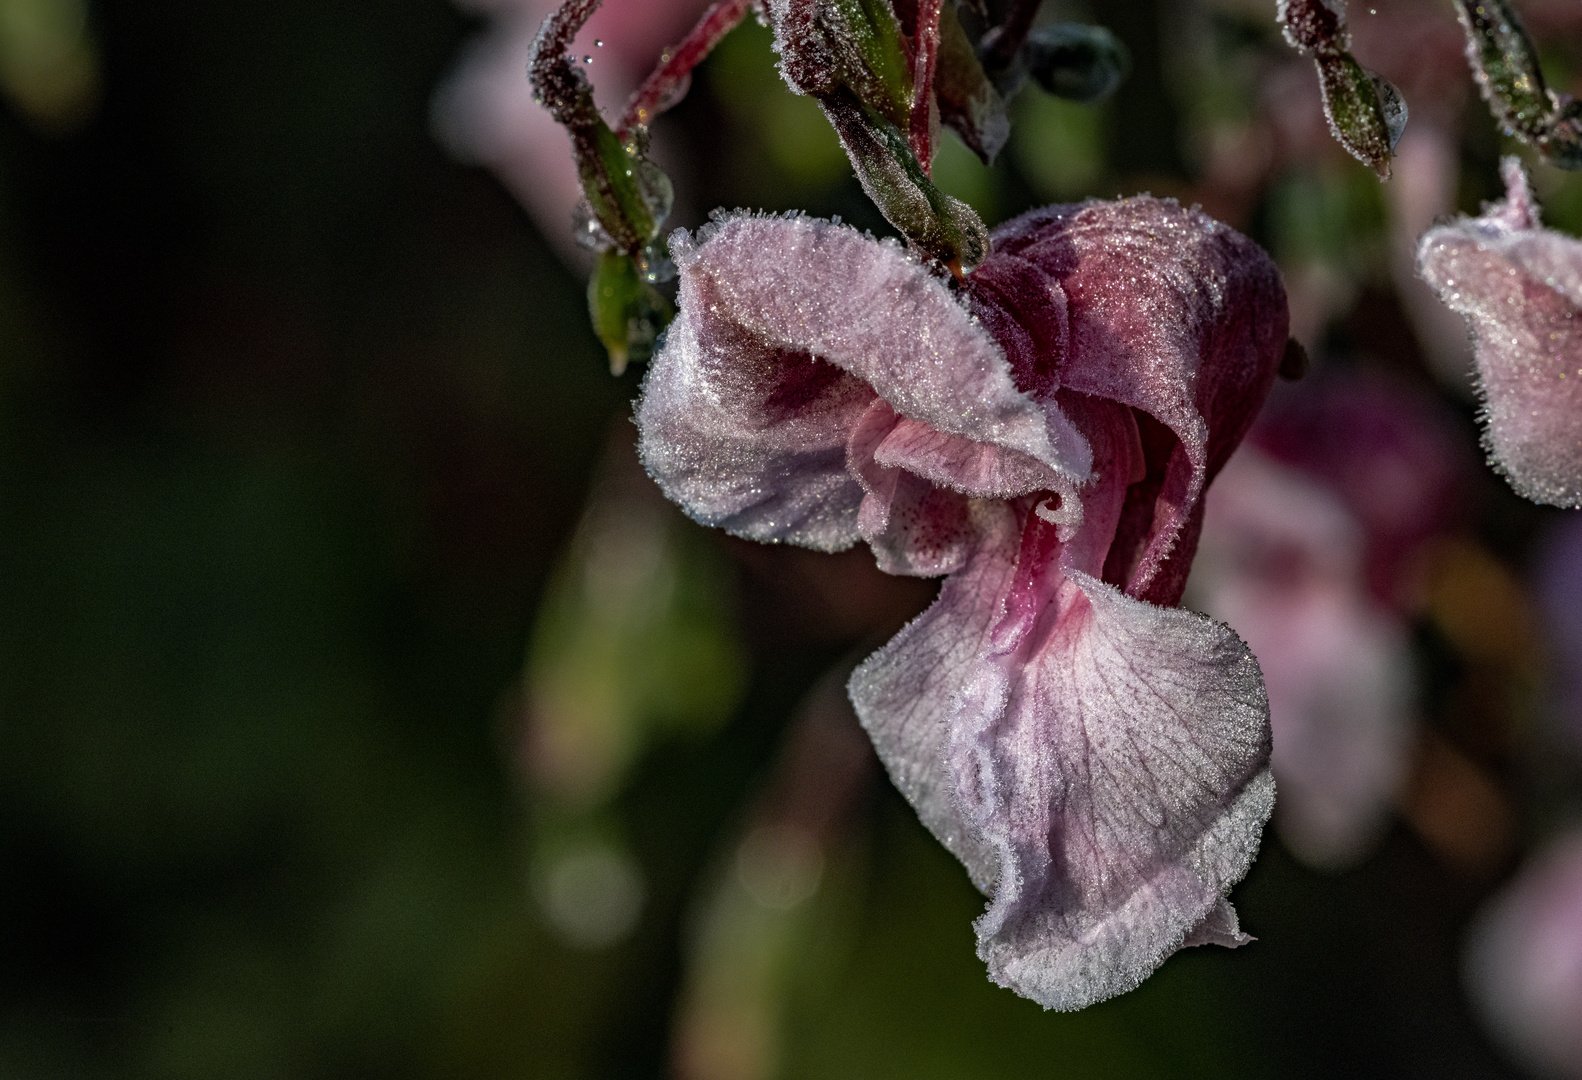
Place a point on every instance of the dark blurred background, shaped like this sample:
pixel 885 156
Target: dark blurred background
pixel 341 736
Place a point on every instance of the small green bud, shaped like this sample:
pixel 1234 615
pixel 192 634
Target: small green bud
pixel 627 312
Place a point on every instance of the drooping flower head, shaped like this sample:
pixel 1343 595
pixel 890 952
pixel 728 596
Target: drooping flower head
pixel 1041 430
pixel 1043 436
pixel 1519 287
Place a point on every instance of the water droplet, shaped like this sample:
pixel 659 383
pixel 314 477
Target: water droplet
pixel 587 230
pixel 587 59
pixel 1392 107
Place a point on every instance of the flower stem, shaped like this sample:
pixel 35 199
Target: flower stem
pixel 669 81
pixel 927 54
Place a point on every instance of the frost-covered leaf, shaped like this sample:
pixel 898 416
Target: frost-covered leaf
pixel 1366 114
pixel 968 102
pixel 1506 68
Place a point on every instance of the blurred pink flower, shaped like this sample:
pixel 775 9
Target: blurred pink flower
pixel 1524 961
pixel 1281 562
pixel 484 113
pixel 1312 539
pixel 1098 762
pixel 1520 288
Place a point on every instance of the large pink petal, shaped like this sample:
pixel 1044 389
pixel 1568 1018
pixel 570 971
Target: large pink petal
pixel 787 329
pixel 1118 766
pixel 1167 311
pixel 1096 762
pixel 905 694
pixel 750 436
pixel 1520 289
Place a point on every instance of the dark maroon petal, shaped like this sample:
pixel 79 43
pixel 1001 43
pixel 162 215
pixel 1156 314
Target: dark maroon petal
pixel 1168 311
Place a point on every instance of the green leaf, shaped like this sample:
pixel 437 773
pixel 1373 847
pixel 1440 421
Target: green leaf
pixel 1366 114
pixel 1506 67
pixel 866 39
pixel 944 227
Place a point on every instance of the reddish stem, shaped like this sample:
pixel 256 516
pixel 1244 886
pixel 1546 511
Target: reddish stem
pixel 926 53
pixel 557 84
pixel 664 87
pixel 1004 40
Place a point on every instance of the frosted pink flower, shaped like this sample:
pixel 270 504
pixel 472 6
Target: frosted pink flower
pixel 1520 288
pixel 1097 761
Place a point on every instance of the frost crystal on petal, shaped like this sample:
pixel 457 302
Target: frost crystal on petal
pixel 1119 770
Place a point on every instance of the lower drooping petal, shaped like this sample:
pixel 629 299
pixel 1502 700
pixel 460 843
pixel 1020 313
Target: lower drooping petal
pixel 1110 773
pixel 1120 772
pixel 905 693
pixel 1520 289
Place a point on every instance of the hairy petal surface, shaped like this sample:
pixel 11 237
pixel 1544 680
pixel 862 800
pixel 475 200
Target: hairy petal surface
pixel 1520 289
pixel 905 694
pixel 788 330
